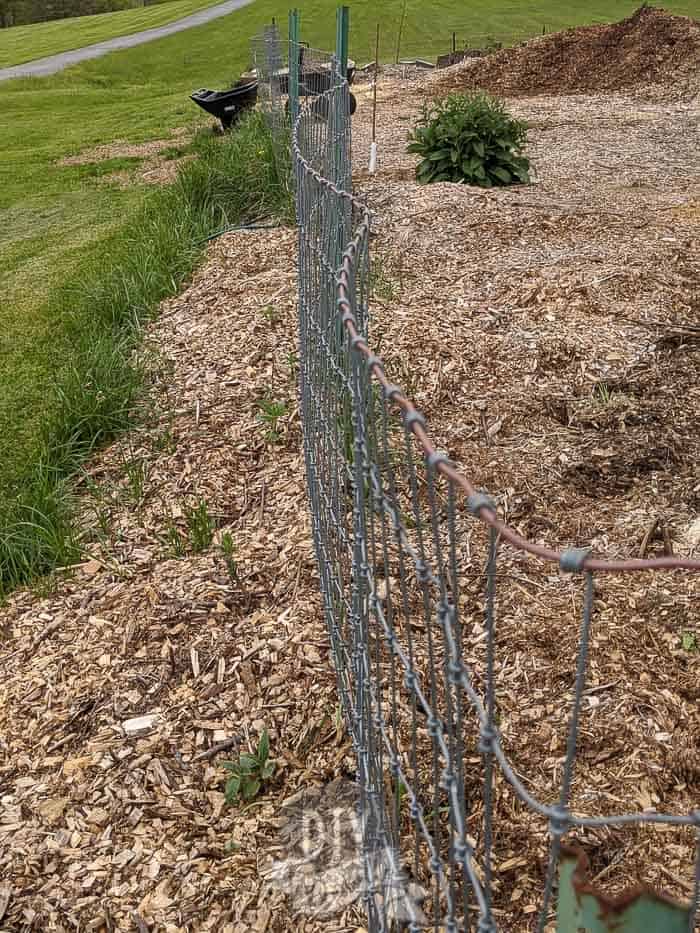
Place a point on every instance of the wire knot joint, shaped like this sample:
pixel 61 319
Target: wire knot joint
pixel 487 740
pixel 558 822
pixel 572 560
pixel 478 501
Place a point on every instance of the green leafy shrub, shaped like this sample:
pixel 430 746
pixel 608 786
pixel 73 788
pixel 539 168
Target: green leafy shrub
pixel 470 138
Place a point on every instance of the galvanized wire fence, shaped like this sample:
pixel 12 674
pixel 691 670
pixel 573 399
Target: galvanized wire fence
pixel 270 58
pixel 406 549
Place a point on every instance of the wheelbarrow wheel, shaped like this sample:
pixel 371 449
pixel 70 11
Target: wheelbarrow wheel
pixel 320 108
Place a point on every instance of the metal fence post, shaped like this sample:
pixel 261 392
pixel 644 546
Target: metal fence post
pixel 342 33
pixel 293 60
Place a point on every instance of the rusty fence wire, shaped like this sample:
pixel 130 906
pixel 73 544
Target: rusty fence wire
pixel 414 566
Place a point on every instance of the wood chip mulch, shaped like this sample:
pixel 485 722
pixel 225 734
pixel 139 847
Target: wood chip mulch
pixel 550 335
pixel 100 830
pixel 652 51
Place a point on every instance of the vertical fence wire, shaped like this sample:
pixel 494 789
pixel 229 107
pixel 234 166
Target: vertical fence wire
pixel 389 517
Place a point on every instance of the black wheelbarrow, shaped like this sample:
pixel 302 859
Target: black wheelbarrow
pixel 228 106
pixel 315 78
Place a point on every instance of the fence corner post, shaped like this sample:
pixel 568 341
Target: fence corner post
pixel 342 34
pixel 293 62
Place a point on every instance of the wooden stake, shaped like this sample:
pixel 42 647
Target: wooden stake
pixel 374 93
pixel 400 35
pixel 373 147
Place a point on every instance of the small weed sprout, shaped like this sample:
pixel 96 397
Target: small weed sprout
pixel 381 286
pixel 100 508
pixel 250 773
pixel 173 539
pixel 103 522
pixel 137 471
pixel 165 442
pixel 400 793
pixel 228 550
pixel 200 526
pixel 293 363
pixel 602 393
pixel 270 313
pixel 689 641
pixel 46 587
pixel 270 412
pixel 198 533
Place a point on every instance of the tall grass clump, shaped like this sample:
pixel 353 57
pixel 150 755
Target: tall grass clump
pixel 233 180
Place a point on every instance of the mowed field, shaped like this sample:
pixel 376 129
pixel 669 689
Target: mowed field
pixel 425 30
pixel 61 223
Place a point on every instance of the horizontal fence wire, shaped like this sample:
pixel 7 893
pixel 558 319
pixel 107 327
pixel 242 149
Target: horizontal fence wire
pixel 393 525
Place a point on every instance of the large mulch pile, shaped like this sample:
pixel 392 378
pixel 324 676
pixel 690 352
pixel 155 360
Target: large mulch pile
pixel 651 47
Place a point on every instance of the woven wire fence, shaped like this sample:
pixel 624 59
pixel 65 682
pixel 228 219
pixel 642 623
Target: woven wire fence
pixel 315 74
pixel 408 551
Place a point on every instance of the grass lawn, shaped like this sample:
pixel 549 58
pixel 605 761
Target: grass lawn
pixel 55 221
pixel 503 20
pixel 25 43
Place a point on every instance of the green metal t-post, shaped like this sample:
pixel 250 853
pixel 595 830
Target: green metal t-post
pixel 342 33
pixel 581 909
pixel 293 59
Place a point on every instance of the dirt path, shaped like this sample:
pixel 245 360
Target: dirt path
pixel 41 67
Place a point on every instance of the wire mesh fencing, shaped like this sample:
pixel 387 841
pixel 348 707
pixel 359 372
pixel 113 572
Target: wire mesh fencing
pixel 289 75
pixel 270 60
pixel 414 564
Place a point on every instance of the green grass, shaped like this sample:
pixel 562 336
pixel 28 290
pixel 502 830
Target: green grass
pixel 95 380
pixel 474 22
pixel 25 43
pixel 62 229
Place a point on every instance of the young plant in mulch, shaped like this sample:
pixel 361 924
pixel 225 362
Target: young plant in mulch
pixel 270 412
pixel 470 138
pixel 250 773
pixel 689 641
pixel 200 526
pixel 228 550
